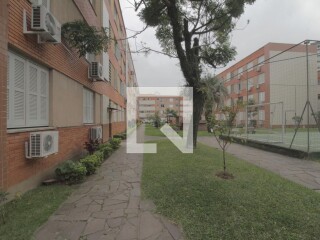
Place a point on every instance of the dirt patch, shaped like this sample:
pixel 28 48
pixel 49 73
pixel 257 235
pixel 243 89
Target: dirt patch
pixel 225 175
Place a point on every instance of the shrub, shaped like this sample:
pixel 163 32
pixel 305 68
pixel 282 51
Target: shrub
pixel 100 157
pixel 91 163
pixel 3 198
pixel 107 151
pixel 122 136
pixel 115 143
pixel 92 146
pixel 71 172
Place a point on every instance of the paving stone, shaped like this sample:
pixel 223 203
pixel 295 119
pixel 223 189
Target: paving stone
pixel 94 208
pixel 149 225
pixel 114 222
pixel 134 202
pixel 128 232
pixel 115 206
pixel 174 231
pixel 108 202
pixel 147 205
pixel 60 230
pixel 107 206
pixel 94 225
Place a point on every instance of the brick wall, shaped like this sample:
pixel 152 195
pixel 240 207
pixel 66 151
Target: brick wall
pixel 3 92
pixel 71 144
pixel 56 57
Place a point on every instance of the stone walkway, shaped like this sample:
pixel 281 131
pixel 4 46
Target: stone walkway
pixel 304 172
pixel 108 207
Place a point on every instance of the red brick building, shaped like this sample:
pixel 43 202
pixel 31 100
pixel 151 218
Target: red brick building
pixel 45 87
pixel 278 84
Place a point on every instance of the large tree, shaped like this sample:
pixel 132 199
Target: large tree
pixel 197 33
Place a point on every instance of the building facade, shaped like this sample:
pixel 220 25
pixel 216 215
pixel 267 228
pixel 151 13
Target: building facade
pixel 274 80
pixel 149 105
pixel 45 86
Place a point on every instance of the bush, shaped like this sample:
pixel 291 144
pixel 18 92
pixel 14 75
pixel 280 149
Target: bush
pixel 115 143
pixel 107 151
pixel 91 164
pixel 122 136
pixel 71 172
pixel 100 157
pixel 3 198
pixel 92 146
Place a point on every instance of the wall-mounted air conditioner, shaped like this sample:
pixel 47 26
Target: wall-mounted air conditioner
pixel 96 133
pixel 42 144
pixel 45 24
pixel 95 71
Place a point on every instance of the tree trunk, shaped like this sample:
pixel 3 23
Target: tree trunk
pixel 224 160
pixel 198 103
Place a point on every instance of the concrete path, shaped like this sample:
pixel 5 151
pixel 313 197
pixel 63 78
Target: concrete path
pixel 108 206
pixel 304 172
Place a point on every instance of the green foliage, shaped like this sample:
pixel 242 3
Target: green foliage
pixel 115 143
pixel 71 172
pixel 85 38
pixel 256 205
pixel 222 128
pixel 100 157
pixel 91 163
pixel 122 136
pixel 106 149
pixel 3 198
pixel 92 146
pixel 27 213
pixel 197 33
pixel 156 120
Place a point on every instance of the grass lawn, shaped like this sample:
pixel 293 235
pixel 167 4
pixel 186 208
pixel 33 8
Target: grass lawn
pixel 257 204
pixel 152 131
pixel 25 215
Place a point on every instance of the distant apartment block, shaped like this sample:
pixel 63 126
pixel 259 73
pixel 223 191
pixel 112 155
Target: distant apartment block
pixel 279 85
pixel 148 105
pixel 47 87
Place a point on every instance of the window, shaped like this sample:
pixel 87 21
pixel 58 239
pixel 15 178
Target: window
pixel 250 83
pixel 261 97
pixel 162 105
pixel 228 76
pixel 88 106
pixel 250 97
pixel 240 70
pixel 249 66
pixel 261 115
pixel 27 93
pixel 170 106
pixel 171 99
pixel 261 79
pixel 260 59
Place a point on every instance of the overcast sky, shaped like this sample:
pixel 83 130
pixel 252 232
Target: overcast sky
pixel 285 21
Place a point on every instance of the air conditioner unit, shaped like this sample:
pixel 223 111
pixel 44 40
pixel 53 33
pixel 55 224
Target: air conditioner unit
pixel 42 144
pixel 96 133
pixel 96 71
pixel 47 26
pixel 257 86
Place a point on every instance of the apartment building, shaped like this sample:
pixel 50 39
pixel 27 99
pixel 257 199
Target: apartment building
pixel 148 105
pixel 274 79
pixel 45 87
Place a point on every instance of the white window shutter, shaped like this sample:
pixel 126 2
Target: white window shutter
pixel 17 105
pixel 32 96
pixel 43 98
pixel 8 90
